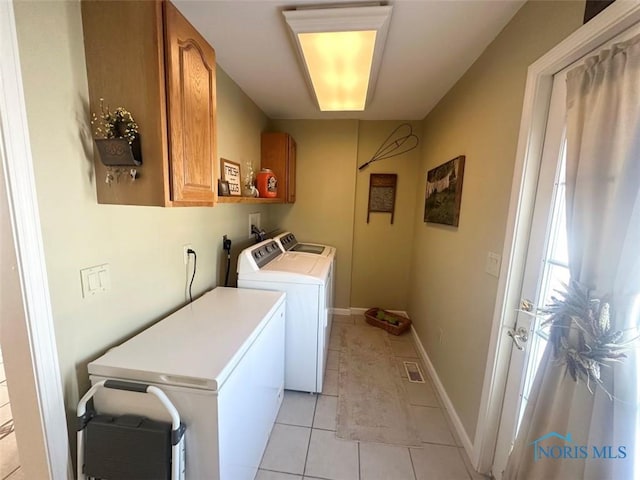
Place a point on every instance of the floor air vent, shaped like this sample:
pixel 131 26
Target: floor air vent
pixel 414 374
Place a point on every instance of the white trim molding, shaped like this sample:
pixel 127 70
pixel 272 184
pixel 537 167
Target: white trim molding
pixel 25 221
pixel 360 311
pixel 341 311
pixel 615 19
pixel 450 410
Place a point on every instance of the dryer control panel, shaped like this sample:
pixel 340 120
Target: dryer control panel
pixel 265 252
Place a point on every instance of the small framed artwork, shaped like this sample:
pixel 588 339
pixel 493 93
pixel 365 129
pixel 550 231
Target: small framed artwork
pixel 444 192
pixel 223 188
pixel 382 193
pixel 231 174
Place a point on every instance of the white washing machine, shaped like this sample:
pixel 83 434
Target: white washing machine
pixel 289 243
pixel 307 280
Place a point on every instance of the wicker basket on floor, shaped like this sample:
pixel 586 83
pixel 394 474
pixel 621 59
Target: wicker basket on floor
pixel 403 325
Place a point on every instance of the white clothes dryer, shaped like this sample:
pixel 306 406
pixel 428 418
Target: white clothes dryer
pixel 289 243
pixel 307 280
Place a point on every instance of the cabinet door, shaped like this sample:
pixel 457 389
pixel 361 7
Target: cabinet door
pixel 291 171
pixel 191 106
pixel 127 70
pixel 278 152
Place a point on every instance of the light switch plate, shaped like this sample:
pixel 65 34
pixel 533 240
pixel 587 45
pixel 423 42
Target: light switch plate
pixel 493 264
pixel 95 280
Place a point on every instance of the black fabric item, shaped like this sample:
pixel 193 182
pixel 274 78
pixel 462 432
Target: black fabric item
pixel 127 448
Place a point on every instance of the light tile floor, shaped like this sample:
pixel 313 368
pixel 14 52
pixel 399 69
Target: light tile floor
pixel 9 461
pixel 303 444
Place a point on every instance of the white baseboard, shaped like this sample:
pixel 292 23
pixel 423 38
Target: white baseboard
pixel 446 401
pixel 360 311
pixel 341 311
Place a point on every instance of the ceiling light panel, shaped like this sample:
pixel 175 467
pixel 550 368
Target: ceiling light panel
pixel 339 64
pixel 341 50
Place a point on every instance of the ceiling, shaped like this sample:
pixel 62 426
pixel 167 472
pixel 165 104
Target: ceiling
pixel 429 46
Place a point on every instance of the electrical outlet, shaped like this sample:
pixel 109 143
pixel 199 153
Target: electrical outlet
pixel 440 334
pixel 185 248
pixel 254 219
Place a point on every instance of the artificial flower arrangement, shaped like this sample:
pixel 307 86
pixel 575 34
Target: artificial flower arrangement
pixel 118 142
pixel 116 124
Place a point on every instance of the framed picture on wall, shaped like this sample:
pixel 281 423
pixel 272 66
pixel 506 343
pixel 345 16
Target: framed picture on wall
pixel 231 174
pixel 223 188
pixel 382 193
pixel 444 192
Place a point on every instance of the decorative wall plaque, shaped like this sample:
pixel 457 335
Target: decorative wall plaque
pixel 382 193
pixel 230 172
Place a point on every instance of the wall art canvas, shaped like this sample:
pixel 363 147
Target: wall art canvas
pixel 444 192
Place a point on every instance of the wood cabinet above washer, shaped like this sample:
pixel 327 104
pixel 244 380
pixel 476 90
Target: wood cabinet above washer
pixel 146 57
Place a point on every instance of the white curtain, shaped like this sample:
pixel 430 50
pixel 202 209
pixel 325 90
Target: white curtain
pixel 603 229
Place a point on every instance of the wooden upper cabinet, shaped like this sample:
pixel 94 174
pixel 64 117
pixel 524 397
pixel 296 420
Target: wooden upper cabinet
pixel 278 152
pixel 191 94
pixel 146 57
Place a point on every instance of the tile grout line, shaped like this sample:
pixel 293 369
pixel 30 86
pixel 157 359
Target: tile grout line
pixel 301 426
pixel 413 468
pixel 315 409
pixel 324 429
pixel 263 469
pixel 359 463
pixel 289 425
pixel 12 472
pixel 439 444
pixel 313 417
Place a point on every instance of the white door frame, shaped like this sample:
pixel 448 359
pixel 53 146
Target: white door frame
pixel 612 21
pixel 15 152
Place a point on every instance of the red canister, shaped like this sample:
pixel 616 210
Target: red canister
pixel 267 183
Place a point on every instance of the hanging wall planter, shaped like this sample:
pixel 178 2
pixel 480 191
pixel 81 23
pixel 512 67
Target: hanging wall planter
pixel 118 140
pixel 118 152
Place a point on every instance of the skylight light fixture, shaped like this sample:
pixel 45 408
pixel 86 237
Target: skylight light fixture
pixel 341 50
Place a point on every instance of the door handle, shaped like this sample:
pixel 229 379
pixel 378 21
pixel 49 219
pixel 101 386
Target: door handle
pixel 519 336
pixel 526 305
